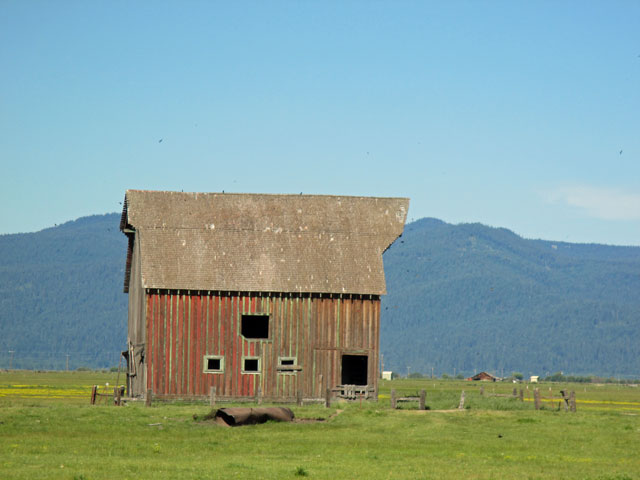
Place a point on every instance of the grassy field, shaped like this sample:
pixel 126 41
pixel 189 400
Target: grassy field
pixel 49 430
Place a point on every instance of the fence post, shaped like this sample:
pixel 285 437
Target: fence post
pixel 116 396
pixel 521 395
pixel 423 398
pixel 461 406
pixel 481 389
pixel 536 398
pixel 212 396
pixel 565 397
pixel 393 399
pixel 515 392
pixel 259 396
pixel 148 399
pixel 327 398
pixel 572 401
pixel 299 397
pixel 94 391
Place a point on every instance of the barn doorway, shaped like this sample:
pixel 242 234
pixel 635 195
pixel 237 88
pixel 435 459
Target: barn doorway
pixel 354 369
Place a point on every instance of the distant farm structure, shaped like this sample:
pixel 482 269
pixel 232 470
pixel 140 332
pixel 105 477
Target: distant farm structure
pixel 483 377
pixel 274 297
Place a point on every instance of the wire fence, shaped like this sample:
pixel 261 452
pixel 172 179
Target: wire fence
pixel 61 360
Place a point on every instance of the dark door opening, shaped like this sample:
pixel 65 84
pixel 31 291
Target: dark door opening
pixel 354 369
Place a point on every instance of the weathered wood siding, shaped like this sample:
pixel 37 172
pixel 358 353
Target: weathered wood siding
pixel 136 380
pixel 183 327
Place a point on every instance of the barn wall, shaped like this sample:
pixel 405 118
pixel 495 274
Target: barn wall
pixel 136 380
pixel 183 327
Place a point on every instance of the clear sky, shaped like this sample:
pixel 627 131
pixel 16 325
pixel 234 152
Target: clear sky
pixel 524 115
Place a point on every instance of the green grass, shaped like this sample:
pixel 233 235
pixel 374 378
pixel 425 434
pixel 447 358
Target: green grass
pixel 495 438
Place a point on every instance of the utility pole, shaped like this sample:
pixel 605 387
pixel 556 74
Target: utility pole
pixel 381 364
pixel 408 369
pixel 11 360
pixel 67 362
pixel 432 372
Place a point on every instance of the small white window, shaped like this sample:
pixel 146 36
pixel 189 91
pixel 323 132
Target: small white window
pixel 250 364
pixel 213 364
pixel 288 365
pixel 287 361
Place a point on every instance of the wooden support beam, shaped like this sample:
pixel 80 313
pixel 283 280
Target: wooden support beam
pixel 149 397
pixel 423 398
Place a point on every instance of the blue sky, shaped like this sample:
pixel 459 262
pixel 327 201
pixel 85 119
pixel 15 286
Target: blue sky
pixel 512 114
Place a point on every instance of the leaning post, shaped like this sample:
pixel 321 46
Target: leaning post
pixel 461 406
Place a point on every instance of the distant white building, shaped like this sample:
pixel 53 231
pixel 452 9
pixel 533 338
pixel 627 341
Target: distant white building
pixel 533 379
pixel 386 375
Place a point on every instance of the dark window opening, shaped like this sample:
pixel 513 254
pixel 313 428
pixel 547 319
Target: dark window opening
pixel 213 364
pixel 287 361
pixel 255 326
pixel 354 369
pixel 251 365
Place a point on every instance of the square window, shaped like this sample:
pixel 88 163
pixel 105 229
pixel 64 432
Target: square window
pixel 213 364
pixel 255 326
pixel 251 365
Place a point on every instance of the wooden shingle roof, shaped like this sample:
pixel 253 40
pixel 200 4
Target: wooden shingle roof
pixel 262 243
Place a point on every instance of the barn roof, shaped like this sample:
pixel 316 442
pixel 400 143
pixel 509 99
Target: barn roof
pixel 262 243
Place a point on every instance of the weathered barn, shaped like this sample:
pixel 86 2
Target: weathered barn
pixel 270 295
pixel 483 376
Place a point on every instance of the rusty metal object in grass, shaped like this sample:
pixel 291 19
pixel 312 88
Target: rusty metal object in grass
pixel 238 416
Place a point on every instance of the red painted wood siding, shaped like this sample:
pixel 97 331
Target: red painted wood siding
pixel 184 327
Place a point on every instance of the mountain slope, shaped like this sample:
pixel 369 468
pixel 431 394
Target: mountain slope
pixel 471 297
pixel 61 294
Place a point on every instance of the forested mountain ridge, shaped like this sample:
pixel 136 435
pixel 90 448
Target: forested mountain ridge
pixel 61 294
pixel 470 297
pixel 465 297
